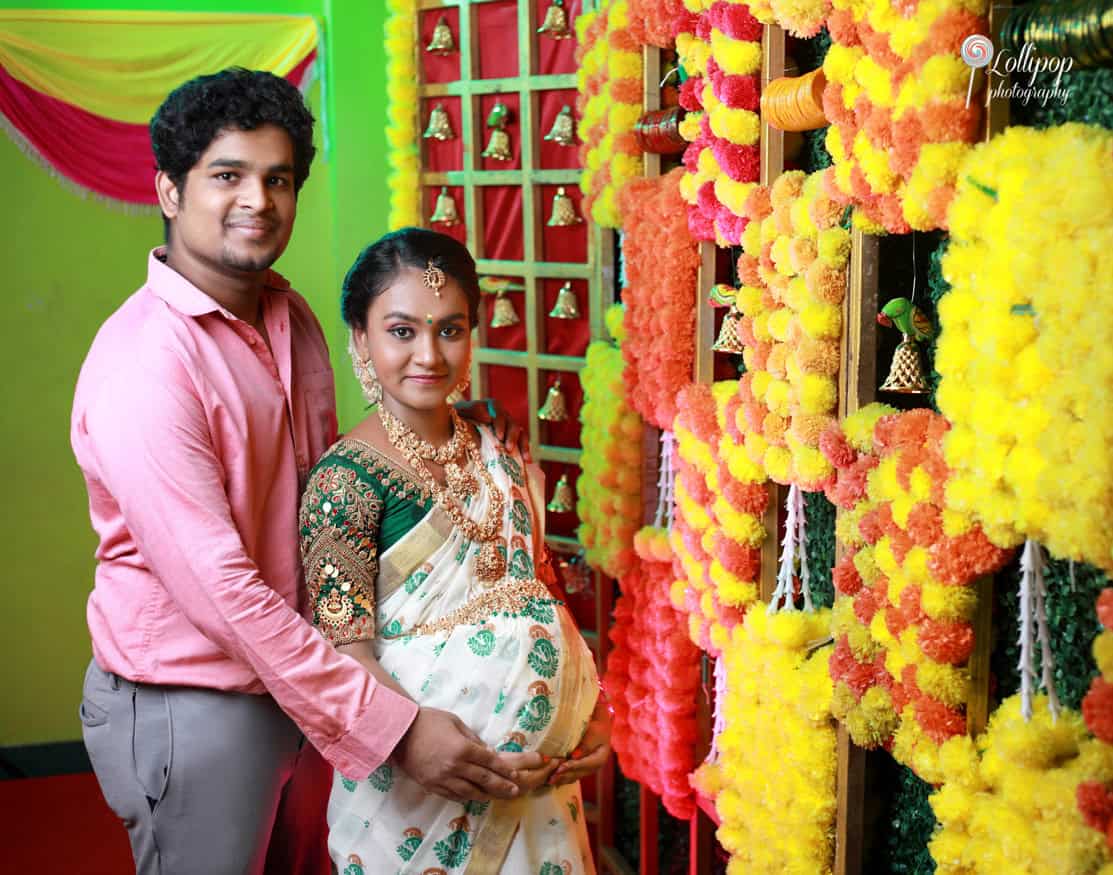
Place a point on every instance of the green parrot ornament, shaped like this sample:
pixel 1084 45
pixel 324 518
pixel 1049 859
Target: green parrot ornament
pixel 907 318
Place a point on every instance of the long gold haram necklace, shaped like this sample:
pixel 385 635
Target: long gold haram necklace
pixel 490 564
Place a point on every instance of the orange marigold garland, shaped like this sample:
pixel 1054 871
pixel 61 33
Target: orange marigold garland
pixel 904 596
pixel 609 104
pixel 657 22
pixel 794 271
pixel 896 98
pixel 661 266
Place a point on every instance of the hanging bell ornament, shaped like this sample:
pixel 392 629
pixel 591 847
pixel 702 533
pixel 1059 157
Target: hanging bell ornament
pixel 498 147
pixel 439 127
pixel 563 499
pixel 729 339
pixel 564 211
pixel 442 42
pixel 503 314
pixel 445 211
pixel 555 24
pixel 563 131
pixel 566 306
pixel 555 408
pixel 906 373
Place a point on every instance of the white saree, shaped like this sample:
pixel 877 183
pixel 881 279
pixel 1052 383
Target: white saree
pixel 508 661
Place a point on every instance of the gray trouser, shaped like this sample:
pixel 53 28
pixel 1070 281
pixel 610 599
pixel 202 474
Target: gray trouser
pixel 206 781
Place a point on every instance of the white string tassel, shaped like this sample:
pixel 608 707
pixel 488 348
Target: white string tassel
pixel 1047 658
pixel 793 557
pixel 1030 566
pixel 802 542
pixel 666 499
pixel 720 721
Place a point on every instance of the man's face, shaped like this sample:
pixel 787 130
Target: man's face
pixel 236 210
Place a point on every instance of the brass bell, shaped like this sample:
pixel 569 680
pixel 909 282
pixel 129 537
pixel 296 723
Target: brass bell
pixel 563 498
pixel 555 408
pixel 566 306
pixel 564 211
pixel 563 131
pixel 445 211
pixel 906 373
pixel 503 314
pixel 442 42
pixel 729 339
pixel 498 147
pixel 555 24
pixel 439 127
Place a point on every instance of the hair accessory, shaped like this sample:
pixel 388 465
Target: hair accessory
pixel 433 277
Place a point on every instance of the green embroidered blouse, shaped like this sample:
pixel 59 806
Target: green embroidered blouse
pixel 357 504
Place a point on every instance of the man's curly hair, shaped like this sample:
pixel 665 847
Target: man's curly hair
pixel 194 114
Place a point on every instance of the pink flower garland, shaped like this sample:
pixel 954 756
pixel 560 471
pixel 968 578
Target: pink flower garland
pixel 723 95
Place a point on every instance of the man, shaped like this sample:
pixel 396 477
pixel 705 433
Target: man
pixel 199 410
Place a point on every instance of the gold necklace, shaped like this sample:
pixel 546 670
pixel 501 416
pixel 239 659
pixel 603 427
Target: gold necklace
pixel 490 565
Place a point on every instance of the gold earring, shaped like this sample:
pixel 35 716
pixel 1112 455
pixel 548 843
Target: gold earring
pixel 365 373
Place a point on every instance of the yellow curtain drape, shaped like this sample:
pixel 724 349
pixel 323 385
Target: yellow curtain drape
pixel 121 65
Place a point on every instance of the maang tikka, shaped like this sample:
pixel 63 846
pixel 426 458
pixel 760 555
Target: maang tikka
pixel 434 279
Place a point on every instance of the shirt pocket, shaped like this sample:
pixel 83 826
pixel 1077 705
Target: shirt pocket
pixel 316 416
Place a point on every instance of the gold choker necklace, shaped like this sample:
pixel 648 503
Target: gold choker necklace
pixel 460 484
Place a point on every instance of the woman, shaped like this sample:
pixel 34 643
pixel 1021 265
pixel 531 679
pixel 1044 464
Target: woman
pixel 422 540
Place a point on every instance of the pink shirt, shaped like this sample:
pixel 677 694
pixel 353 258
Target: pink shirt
pixel 195 441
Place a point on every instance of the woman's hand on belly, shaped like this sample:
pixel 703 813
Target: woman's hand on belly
pixel 445 757
pixel 530 779
pixel 593 750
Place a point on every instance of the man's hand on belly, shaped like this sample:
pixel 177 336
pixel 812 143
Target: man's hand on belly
pixel 446 758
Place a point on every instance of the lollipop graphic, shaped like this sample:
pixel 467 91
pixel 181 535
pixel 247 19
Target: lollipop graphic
pixel 977 51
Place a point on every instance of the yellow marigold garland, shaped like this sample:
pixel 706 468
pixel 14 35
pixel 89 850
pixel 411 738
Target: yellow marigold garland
pixel 609 81
pixel 774 781
pixel 1007 802
pixel 896 99
pixel 801 18
pixel 1026 352
pixel 402 134
pixel 609 504
pixel 793 269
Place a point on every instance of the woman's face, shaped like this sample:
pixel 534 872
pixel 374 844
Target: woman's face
pixel 418 343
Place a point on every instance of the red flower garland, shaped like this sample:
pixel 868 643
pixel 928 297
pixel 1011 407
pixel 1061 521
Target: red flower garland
pixel 651 679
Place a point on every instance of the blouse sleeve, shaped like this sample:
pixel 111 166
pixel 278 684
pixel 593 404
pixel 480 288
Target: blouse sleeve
pixel 339 523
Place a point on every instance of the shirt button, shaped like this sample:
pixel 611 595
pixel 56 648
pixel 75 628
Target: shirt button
pixel 252 340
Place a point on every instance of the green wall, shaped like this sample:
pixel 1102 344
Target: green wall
pixel 68 262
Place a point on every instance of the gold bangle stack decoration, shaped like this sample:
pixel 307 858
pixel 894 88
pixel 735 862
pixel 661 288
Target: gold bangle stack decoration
pixel 460 484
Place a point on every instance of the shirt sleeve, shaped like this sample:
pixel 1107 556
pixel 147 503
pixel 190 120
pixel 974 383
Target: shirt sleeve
pixel 339 522
pixel 149 436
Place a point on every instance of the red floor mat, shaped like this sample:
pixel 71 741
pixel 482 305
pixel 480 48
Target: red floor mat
pixel 60 826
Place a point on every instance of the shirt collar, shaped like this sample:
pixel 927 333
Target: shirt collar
pixel 184 296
